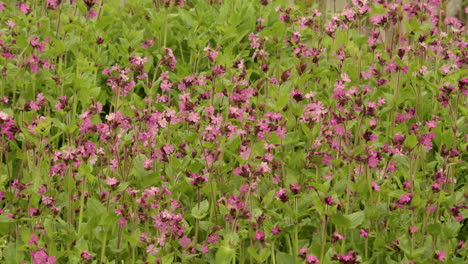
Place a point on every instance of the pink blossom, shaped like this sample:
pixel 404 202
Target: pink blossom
pixel 275 231
pixel 92 14
pixel 350 258
pixel 312 259
pixel 41 257
pixel 378 19
pixel 329 200
pixel 184 241
pixel 52 3
pixel 152 250
pixel 33 240
pixel 86 255
pixel 24 8
pixel 364 233
pixel 213 239
pixel 112 181
pixel 204 248
pixel 281 195
pixel 259 236
pixel 337 236
pixel 405 198
pixel 10 24
pixel 373 161
pixel 375 187
pixel 193 117
pixel 122 222
pixel 440 256
pixel 314 112
pixel 147 43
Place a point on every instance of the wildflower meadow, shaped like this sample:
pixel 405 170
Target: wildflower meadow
pixel 233 131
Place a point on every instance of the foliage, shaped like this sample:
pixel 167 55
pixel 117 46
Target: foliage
pixel 247 131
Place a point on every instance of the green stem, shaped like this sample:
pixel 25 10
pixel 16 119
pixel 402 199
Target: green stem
pixel 166 24
pixel 324 238
pixel 273 258
pixel 103 249
pixel 296 231
pixel 80 220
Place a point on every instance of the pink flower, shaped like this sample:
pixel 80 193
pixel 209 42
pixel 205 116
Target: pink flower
pixel 166 86
pixel 405 198
pixel 423 70
pixel 329 200
pixel 275 230
pixel 148 164
pixel 350 258
pixel 147 43
pixel 41 257
pixel 122 222
pixel 24 8
pixel 263 167
pixel 52 3
pixel 211 54
pixel 281 195
pixel 430 209
pixel 2 6
pixel 440 256
pixel 303 252
pixel 92 14
pixel 112 181
pixel 204 248
pixel 313 112
pixel 198 179
pixel 412 229
pixel 312 259
pixel 213 239
pixel 259 236
pixel 184 241
pixel 152 250
pixel 378 19
pixel 86 255
pixel 407 185
pixel 461 244
pixel 295 188
pixel 33 240
pixel 375 187
pixel 373 161
pixel 298 96
pixel 170 60
pixel 364 233
pixel 337 236
pixel 327 160
pixel 193 117
pixel 10 24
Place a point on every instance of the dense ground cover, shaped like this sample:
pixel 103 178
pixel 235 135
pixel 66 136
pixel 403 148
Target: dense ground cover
pixel 237 132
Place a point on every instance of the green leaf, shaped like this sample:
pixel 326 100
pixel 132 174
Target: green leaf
pixel 284 258
pixel 43 127
pixel 167 259
pixel 254 254
pixel 341 221
pixel 411 141
pixel 259 257
pixel 356 218
pixel 225 255
pixel 201 212
pixel 434 229
pixel 95 208
pixel 9 253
